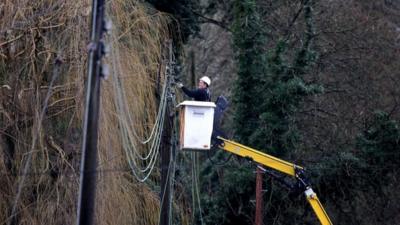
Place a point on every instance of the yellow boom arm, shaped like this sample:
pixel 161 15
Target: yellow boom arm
pixel 281 166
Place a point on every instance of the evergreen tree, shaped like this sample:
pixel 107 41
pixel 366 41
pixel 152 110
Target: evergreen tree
pixel 358 177
pixel 380 145
pixel 284 89
pixel 268 90
pixel 249 42
pixel 231 188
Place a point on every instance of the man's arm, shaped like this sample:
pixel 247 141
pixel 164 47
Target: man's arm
pixel 197 93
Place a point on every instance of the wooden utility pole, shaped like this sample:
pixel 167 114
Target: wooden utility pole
pixel 165 195
pixel 166 159
pixel 88 173
pixel 259 197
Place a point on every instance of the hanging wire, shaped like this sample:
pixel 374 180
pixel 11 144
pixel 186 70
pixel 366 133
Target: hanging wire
pixel 122 110
pixel 157 122
pixel 121 96
pixel 223 163
pixel 127 137
pixel 195 187
pixel 150 167
pixel 128 132
pixel 153 149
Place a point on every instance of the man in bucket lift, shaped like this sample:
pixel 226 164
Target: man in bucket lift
pixel 201 93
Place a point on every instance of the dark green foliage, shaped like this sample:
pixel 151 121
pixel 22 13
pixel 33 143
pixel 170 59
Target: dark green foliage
pixel 353 181
pixel 249 40
pixel 284 90
pixel 376 158
pixel 182 10
pixel 227 193
pixel 269 90
pixel 380 144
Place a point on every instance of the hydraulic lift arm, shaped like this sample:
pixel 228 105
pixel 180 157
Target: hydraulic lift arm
pixel 282 166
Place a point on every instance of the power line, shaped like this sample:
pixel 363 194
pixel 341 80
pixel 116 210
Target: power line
pixel 125 124
pixel 223 163
pixel 195 185
pixel 129 135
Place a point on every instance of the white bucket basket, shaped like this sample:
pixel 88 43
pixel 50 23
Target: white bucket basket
pixel 196 125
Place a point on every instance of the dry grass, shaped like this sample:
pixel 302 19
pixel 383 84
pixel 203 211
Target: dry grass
pixel 33 35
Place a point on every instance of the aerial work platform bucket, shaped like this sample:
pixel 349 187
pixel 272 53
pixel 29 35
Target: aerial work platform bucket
pixel 196 125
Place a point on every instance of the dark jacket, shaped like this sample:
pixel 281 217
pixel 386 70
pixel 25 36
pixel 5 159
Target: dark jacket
pixel 198 94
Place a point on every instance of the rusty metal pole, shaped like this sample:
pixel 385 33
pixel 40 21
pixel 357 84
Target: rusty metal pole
pixel 259 197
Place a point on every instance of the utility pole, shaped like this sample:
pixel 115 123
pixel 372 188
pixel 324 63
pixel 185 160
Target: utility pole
pixel 166 150
pixel 259 196
pixel 165 195
pixel 87 189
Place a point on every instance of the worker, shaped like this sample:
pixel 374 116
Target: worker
pixel 202 93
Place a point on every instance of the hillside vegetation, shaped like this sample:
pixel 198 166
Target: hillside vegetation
pixel 43 55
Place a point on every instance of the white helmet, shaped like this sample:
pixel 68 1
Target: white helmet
pixel 206 80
